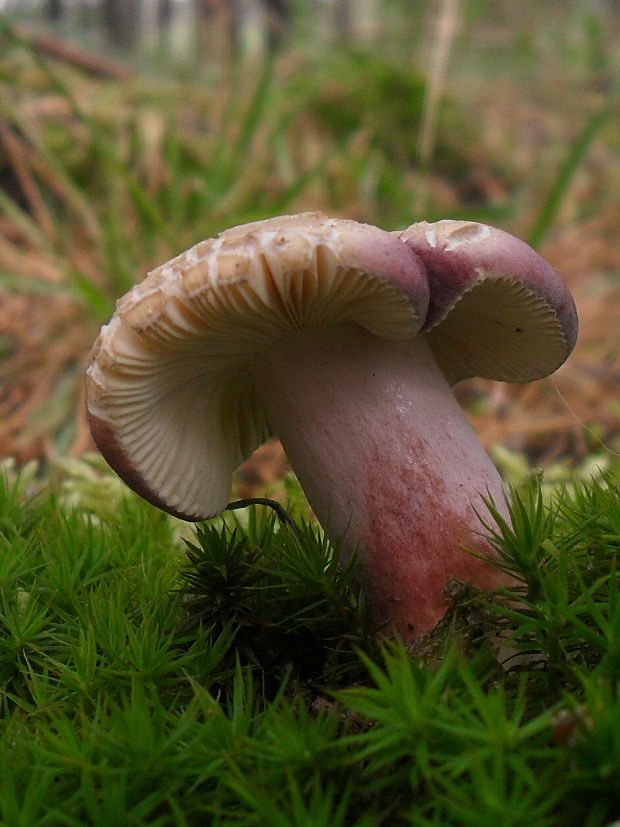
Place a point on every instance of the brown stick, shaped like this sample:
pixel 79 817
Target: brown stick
pixel 280 511
pixel 54 47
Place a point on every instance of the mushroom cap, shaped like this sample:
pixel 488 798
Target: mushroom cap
pixel 170 392
pixel 496 308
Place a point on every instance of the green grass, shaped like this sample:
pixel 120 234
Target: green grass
pixel 170 163
pixel 102 181
pixel 234 678
pixel 91 165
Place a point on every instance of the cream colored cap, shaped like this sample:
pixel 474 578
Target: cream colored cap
pixel 169 390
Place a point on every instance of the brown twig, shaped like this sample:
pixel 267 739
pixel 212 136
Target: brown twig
pixel 96 65
pixel 280 511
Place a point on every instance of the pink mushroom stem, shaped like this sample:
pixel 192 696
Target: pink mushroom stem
pixel 388 462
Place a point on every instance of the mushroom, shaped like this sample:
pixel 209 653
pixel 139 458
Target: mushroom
pixel 343 340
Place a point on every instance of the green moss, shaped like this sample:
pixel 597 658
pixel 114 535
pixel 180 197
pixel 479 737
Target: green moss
pixel 235 679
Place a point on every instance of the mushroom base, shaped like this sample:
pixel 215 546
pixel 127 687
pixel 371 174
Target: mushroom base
pixel 389 463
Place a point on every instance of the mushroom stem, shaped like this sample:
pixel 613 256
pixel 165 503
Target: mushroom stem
pixel 388 462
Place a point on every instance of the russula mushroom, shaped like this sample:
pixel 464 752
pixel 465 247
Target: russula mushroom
pixel 339 338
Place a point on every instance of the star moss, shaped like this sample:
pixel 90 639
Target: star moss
pixel 234 678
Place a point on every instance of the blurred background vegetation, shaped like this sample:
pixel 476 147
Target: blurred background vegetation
pixel 130 129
